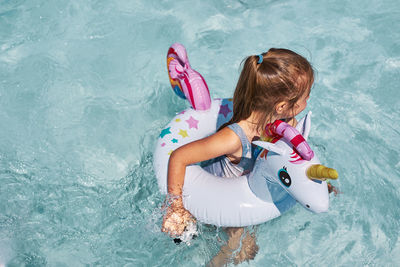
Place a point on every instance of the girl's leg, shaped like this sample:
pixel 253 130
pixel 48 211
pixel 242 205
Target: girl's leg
pixel 249 247
pixel 241 246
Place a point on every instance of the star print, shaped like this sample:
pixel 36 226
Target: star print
pixel 183 133
pixel 165 132
pixel 178 120
pixel 192 122
pixel 224 110
pixel 163 144
pixel 174 140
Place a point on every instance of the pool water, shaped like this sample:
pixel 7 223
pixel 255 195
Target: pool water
pixel 84 93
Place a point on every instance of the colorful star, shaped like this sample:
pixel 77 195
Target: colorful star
pixel 174 140
pixel 224 110
pixel 192 122
pixel 165 132
pixel 183 133
pixel 163 144
pixel 178 120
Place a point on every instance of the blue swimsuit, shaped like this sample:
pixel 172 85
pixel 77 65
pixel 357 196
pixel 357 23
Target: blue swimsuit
pixel 223 167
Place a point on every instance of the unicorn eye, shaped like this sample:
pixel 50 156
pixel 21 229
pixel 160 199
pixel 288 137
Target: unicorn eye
pixel 284 177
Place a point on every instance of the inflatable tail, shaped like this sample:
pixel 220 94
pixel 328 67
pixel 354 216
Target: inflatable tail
pixel 185 81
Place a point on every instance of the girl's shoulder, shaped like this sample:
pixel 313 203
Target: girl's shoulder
pixel 224 141
pixel 228 136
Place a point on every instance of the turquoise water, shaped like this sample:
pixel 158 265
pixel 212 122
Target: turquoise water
pixel 84 93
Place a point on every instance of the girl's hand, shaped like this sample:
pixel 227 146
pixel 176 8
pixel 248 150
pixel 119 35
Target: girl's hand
pixel 333 189
pixel 176 217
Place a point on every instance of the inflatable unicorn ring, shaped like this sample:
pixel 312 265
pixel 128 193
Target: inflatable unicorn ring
pixel 286 171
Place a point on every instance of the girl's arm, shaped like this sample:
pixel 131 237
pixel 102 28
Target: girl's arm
pixel 223 142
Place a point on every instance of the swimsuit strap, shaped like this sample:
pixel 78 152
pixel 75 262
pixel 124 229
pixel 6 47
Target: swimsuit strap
pixel 246 146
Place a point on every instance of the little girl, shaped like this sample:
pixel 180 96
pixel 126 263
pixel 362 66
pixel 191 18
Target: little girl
pixel 273 85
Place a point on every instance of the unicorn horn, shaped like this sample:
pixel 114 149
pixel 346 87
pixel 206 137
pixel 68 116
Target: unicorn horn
pixel 320 172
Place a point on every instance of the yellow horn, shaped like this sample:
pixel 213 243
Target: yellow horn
pixel 320 172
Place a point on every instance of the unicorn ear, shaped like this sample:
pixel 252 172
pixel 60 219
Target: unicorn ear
pixel 270 147
pixel 304 125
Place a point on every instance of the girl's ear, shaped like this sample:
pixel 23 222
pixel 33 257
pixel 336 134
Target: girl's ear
pixel 270 147
pixel 280 108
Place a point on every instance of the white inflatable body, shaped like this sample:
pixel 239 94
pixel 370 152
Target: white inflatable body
pixel 276 182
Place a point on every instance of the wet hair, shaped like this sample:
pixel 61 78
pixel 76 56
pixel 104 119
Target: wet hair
pixel 268 79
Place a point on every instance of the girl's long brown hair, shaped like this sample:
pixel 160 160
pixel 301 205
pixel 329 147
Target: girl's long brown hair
pixel 282 75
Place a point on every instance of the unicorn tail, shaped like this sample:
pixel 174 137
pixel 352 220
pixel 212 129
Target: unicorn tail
pixel 185 81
